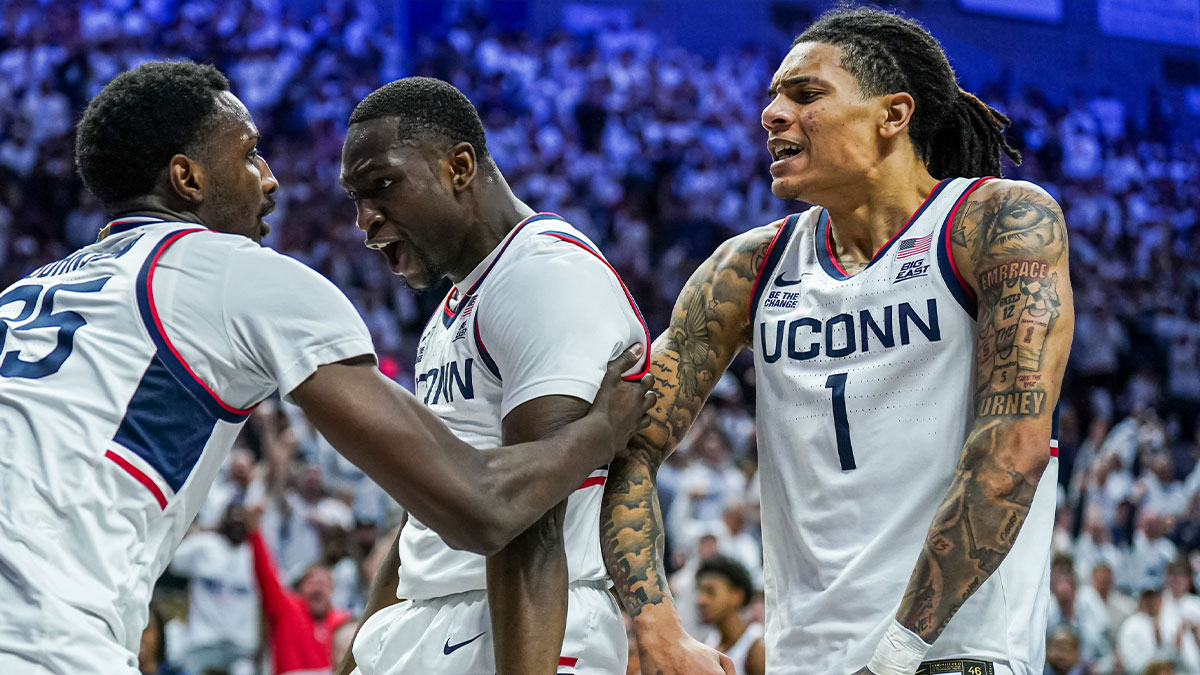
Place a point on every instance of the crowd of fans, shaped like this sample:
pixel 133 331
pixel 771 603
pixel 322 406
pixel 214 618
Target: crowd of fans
pixel 658 155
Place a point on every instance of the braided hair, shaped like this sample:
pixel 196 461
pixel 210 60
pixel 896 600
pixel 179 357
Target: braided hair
pixel 954 133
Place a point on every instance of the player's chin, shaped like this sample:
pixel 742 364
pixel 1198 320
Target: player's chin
pixel 416 279
pixel 786 187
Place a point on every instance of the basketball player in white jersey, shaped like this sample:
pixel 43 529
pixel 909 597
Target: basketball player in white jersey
pixel 127 369
pixel 517 348
pixel 723 589
pixel 910 333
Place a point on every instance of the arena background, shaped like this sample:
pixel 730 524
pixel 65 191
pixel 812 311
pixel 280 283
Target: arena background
pixel 639 123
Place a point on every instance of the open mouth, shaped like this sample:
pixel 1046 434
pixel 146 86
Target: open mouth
pixel 785 151
pixel 395 254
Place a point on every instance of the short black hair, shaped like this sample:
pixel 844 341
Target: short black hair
pixel 954 133
pixel 732 571
pixel 141 119
pixel 426 107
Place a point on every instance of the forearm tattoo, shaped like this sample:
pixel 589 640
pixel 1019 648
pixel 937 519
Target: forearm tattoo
pixel 1016 241
pixel 709 325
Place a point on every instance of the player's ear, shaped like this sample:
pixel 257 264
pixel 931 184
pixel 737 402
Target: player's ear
pixel 186 178
pixel 897 112
pixel 461 165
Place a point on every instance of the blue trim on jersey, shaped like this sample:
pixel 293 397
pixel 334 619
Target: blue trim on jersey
pixel 173 364
pixel 124 225
pixel 946 267
pixel 571 237
pixel 1054 424
pixel 488 361
pixel 774 253
pixel 449 316
pixel 164 426
pixel 823 236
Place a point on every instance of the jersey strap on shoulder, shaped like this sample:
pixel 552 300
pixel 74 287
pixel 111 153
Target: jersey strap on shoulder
pixel 172 414
pixel 170 356
pixel 774 252
pixel 572 239
pixel 954 280
pixel 448 313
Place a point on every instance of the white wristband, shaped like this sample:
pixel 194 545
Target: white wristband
pixel 900 652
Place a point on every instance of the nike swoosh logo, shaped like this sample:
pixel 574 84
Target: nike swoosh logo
pixel 450 649
pixel 780 281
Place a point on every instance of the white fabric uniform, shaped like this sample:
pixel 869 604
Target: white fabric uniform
pixel 739 652
pixel 540 316
pixel 865 386
pixel 128 368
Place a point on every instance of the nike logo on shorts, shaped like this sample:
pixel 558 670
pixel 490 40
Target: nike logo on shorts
pixel 450 649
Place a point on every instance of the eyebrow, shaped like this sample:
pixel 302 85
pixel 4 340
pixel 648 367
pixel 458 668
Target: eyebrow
pixel 361 171
pixel 793 81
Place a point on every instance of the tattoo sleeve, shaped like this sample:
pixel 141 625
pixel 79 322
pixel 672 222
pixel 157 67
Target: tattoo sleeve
pixel 709 326
pixel 1011 239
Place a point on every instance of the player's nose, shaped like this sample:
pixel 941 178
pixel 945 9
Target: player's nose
pixel 368 219
pixel 777 116
pixel 269 183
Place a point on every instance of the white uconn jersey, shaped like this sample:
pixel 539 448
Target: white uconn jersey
pixel 114 420
pixel 540 316
pixel 864 403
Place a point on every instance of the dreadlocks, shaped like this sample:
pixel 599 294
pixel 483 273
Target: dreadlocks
pixel 954 133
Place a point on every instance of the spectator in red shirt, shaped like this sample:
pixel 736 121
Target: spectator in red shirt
pixel 300 624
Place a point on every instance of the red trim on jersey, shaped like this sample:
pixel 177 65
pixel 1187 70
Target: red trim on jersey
pixel 766 256
pixel 512 234
pixel 829 248
pixel 636 311
pixel 1054 447
pixel 139 476
pixel 593 480
pixel 949 249
pixel 567 661
pixel 162 331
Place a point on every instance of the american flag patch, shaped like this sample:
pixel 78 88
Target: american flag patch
pixel 911 247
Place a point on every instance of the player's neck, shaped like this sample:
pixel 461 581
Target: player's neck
pixel 499 212
pixel 731 629
pixel 151 205
pixel 865 217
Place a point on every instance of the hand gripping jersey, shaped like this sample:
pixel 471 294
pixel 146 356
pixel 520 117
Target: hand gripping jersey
pixel 864 402
pixel 126 371
pixel 540 316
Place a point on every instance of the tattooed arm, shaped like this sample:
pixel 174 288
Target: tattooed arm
pixel 709 326
pixel 1010 242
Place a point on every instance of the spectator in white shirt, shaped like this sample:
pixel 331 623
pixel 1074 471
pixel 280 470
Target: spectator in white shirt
pixel 1103 599
pixel 1151 551
pixel 1143 639
pixel 223 612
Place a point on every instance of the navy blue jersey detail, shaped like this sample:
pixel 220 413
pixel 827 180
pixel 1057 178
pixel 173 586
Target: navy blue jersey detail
pixel 448 315
pixel 1054 424
pixel 164 426
pixel 488 361
pixel 570 237
pixel 774 252
pixel 946 266
pixel 122 225
pixel 825 241
pixel 170 359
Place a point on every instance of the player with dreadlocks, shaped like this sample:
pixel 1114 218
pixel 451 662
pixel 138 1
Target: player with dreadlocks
pixel 910 332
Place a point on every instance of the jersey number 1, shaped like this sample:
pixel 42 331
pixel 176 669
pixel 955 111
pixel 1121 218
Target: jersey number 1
pixel 841 425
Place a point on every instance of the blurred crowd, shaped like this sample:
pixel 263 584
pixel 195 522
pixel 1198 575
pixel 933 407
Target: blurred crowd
pixel 657 154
